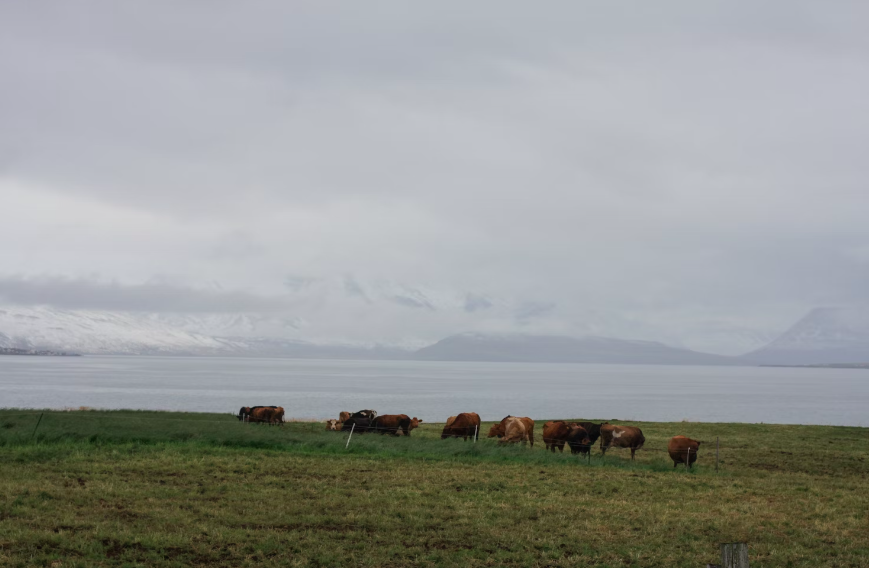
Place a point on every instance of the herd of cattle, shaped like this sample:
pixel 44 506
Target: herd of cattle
pixel 578 436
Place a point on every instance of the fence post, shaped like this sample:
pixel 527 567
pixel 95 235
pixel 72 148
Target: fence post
pixel 352 427
pixel 716 454
pixel 37 425
pixel 688 458
pixel 475 434
pixel 734 555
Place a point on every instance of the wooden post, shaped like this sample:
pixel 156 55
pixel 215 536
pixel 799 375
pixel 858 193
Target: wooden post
pixel 688 458
pixel 37 425
pixel 716 454
pixel 734 555
pixel 352 427
pixel 475 434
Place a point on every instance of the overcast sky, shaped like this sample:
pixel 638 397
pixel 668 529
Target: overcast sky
pixel 391 171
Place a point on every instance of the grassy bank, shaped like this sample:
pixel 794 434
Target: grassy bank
pixel 176 489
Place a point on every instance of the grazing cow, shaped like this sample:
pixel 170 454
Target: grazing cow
pixel 465 426
pixel 277 416
pixel 261 414
pixel 358 422
pixel 332 425
pixel 621 437
pixel 555 434
pixel 414 423
pixel 500 429
pixel 450 421
pixel 343 416
pixel 514 431
pixel 244 414
pixel 592 429
pixel 578 439
pixel 392 424
pixel 683 450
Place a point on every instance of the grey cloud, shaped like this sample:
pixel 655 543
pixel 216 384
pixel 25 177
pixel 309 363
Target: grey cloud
pixel 474 302
pixel 410 299
pixel 88 294
pixel 353 288
pixel 297 283
pixel 533 310
pixel 670 164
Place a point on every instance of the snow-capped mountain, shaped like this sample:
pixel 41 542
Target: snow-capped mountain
pixel 823 336
pixel 88 331
pixel 123 333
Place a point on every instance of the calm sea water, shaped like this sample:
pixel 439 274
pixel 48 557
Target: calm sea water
pixel 435 390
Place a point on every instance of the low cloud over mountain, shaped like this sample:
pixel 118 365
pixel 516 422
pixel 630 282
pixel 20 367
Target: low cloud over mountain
pixel 687 173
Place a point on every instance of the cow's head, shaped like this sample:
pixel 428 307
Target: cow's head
pixel 496 430
pixel 331 424
pixel 243 411
pixel 414 423
pixel 580 434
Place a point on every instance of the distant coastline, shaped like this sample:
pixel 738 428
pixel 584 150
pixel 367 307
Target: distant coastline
pixel 826 366
pixel 36 352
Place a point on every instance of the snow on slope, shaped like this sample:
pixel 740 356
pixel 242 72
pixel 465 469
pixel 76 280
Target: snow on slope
pixel 89 331
pixel 823 336
pixel 121 333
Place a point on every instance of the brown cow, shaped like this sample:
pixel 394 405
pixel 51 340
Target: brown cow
pixel 621 437
pixel 450 421
pixel 683 450
pixel 414 423
pixel 465 425
pixel 277 416
pixel 244 414
pixel 261 414
pixel 555 434
pixel 514 431
pixel 333 425
pixel 395 424
pixel 501 428
pixel 343 416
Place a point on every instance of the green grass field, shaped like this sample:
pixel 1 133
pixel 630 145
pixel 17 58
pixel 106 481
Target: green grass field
pixel 133 488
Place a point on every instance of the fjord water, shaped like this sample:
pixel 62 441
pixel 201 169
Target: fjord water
pixel 435 390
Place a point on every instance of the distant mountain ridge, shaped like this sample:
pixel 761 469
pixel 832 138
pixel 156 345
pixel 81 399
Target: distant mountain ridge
pixel 109 333
pixel 561 349
pixel 824 336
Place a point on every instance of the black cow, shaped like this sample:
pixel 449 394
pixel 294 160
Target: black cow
pixel 358 422
pixel 578 440
pixel 592 429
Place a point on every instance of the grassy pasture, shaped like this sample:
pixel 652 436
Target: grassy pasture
pixel 131 488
